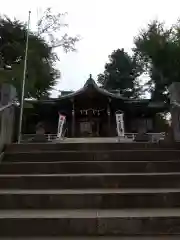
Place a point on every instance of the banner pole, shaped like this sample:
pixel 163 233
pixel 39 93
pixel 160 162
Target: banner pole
pixel 24 81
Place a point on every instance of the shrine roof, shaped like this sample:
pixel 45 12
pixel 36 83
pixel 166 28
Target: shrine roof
pixel 91 84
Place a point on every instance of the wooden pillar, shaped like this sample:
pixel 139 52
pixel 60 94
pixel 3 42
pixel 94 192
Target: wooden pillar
pixel 109 118
pixel 73 120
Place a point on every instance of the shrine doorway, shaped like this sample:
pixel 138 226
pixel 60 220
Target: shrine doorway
pixel 90 127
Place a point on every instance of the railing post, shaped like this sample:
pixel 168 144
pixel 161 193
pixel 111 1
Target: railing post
pixel 49 137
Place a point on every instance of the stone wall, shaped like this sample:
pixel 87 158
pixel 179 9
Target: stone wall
pixel 174 94
pixel 7 116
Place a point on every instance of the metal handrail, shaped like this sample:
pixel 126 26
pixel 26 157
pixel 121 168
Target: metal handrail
pixel 29 137
pixel 154 137
pixel 2 108
pixel 131 136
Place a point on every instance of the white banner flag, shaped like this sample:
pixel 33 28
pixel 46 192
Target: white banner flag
pixel 61 122
pixel 120 124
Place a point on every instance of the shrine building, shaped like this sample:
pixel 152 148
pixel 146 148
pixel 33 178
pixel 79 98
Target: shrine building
pixel 90 112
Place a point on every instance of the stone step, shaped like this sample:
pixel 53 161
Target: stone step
pixel 115 155
pixel 89 167
pixel 83 181
pixel 167 237
pixel 89 199
pixel 27 147
pixel 128 222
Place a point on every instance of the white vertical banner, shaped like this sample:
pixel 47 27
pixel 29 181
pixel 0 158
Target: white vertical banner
pixel 120 124
pixel 61 122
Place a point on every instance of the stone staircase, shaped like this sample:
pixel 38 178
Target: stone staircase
pixel 88 191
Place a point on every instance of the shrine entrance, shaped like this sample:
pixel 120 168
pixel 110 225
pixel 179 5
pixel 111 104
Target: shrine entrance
pixel 89 127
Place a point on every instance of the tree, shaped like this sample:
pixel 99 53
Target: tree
pixel 41 73
pixel 49 25
pixel 158 50
pixel 121 73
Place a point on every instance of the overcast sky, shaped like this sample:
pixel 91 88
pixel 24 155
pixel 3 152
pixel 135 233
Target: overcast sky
pixel 104 25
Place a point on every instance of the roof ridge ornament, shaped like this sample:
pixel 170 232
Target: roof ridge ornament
pixel 90 81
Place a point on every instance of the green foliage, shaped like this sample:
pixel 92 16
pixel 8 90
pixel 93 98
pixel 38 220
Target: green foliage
pixel 158 50
pixel 41 72
pixel 156 53
pixel 121 73
pixel 41 75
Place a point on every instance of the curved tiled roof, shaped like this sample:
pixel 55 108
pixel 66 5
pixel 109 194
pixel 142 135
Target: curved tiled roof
pixel 91 82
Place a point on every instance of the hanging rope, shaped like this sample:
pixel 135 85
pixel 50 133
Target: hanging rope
pixel 85 111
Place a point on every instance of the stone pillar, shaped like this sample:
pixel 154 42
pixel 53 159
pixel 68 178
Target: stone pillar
pixel 174 91
pixel 73 120
pixel 175 123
